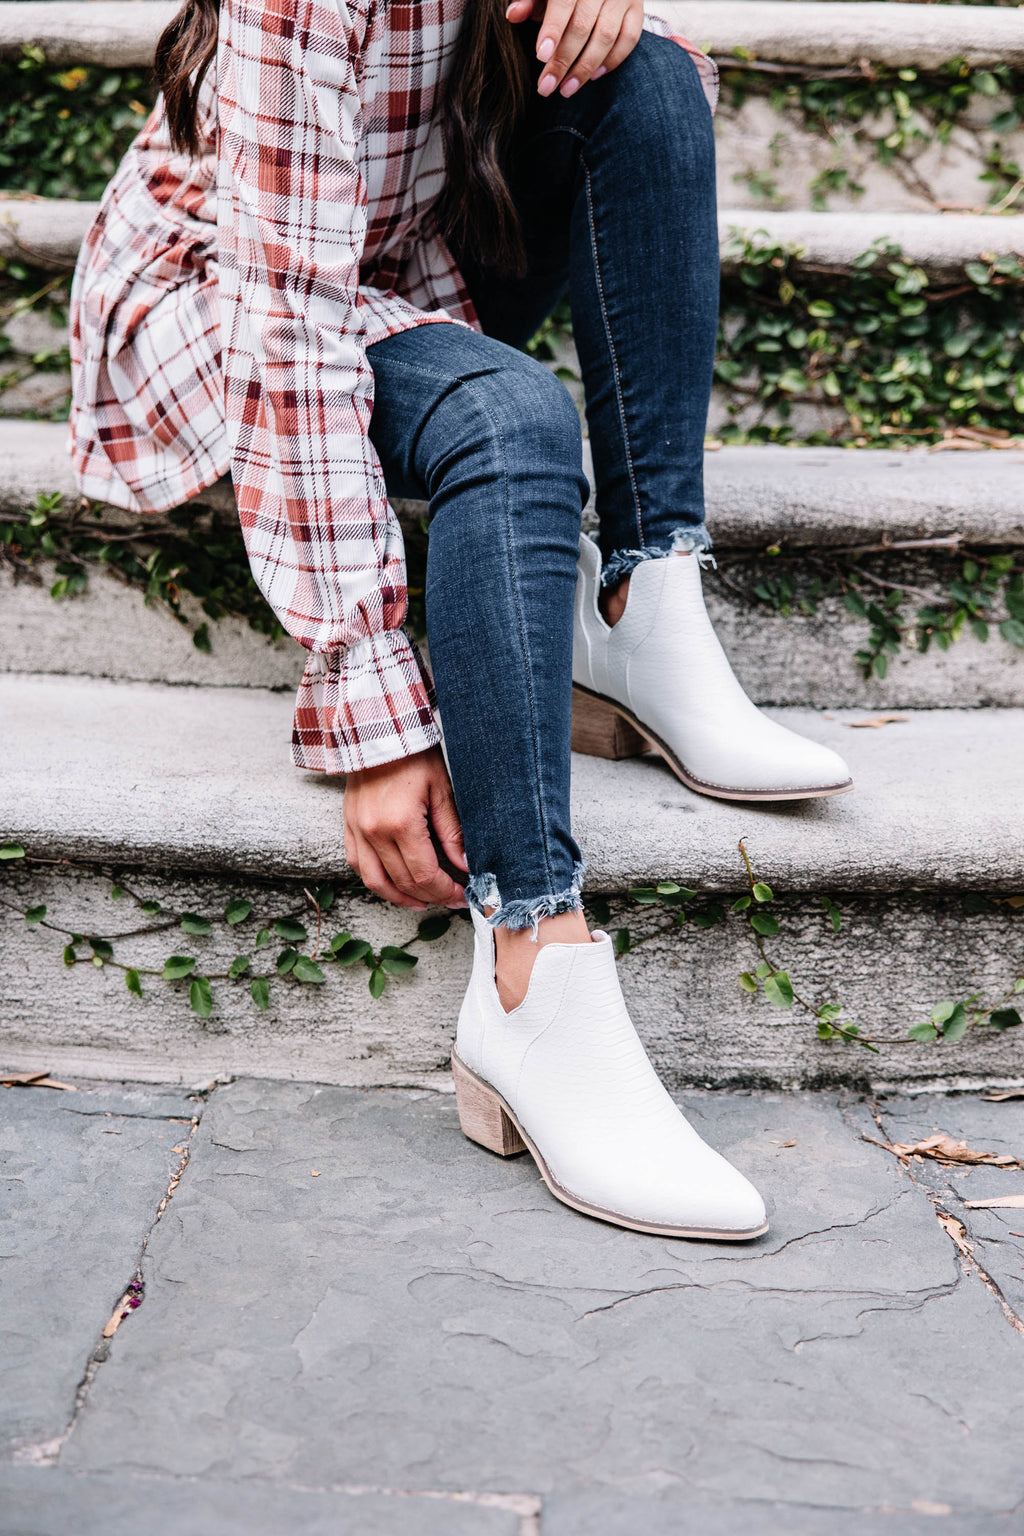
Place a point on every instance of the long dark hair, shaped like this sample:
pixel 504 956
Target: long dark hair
pixel 483 102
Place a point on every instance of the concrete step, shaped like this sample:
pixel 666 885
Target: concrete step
pixel 187 793
pixel 121 32
pixel 48 232
pixel 811 502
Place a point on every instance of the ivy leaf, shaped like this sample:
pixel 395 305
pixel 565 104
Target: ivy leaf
pixel 116 892
pixel 1013 631
pixel 378 981
pixel 600 910
pixel 741 903
pixel 667 888
pixel 1004 1018
pixel 237 911
pixel 287 928
pixel 829 1012
pixel 151 908
pixel 623 941
pixel 926 1033
pixel 748 983
pixel 353 950
pixel 238 966
pixel 132 982
pixel 201 641
pixel 177 966
pixel 307 970
pixel 325 897
pixel 397 962
pixel 287 961
pixel 644 894
pixel 956 1025
pixel 200 995
pixel 70 958
pixel 263 938
pixel 260 991
pixel 102 949
pixel 825 1030
pixel 12 851
pixel 433 927
pixel 35 914
pixel 778 989
pixel 764 924
pixel 763 970
pixel 763 892
pixel 943 1011
pixel 855 604
pixel 192 923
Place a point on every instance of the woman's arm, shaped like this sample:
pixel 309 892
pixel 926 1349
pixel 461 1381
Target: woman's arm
pixel 324 546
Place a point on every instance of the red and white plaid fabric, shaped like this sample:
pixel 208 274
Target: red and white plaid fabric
pixel 222 308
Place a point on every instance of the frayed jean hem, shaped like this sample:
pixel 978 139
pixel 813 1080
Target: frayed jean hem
pixel 687 540
pixel 482 891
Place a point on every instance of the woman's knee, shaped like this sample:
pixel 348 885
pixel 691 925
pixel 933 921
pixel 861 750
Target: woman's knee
pixel 514 420
pixel 658 91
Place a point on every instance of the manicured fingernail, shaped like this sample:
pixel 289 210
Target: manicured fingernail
pixel 547 84
pixel 570 87
pixel 546 49
pixel 599 72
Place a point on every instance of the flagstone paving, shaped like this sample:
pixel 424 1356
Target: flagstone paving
pixel 355 1320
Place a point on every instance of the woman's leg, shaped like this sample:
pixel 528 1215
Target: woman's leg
pixel 616 192
pixel 492 440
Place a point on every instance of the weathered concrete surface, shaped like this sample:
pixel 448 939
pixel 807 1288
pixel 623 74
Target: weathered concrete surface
pixel 893 960
pixel 881 30
pixel 939 242
pixel 794 659
pixel 148 776
pixel 600 1514
pixel 51 1502
pixel 116 32
pixel 420 1314
pixel 82 1177
pixel 996 1235
pixel 803 498
pixel 49 232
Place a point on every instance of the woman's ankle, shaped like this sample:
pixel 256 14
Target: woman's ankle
pixel 516 950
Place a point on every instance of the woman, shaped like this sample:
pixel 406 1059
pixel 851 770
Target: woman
pixel 315 270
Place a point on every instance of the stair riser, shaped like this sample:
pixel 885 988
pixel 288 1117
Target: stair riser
pixel 894 958
pixel 786 660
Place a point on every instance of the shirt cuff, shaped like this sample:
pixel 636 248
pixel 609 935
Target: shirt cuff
pixel 369 704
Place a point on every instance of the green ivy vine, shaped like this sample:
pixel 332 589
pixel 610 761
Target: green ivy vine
pixel 305 956
pixel 891 113
pixel 302 960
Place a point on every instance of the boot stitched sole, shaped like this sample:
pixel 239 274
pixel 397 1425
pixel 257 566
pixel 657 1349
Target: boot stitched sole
pixel 703 786
pixel 487 1119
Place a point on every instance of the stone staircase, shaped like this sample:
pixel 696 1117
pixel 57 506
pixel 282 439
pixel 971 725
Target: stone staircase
pixel 131 761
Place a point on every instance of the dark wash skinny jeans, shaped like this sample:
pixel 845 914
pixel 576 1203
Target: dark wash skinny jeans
pixel 615 189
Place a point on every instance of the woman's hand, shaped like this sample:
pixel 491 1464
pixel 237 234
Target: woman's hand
pixel 389 812
pixel 580 40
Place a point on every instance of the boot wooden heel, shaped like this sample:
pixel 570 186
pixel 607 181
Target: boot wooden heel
pixel 481 1114
pixel 598 730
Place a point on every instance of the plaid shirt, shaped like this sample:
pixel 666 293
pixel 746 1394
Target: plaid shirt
pixel 222 309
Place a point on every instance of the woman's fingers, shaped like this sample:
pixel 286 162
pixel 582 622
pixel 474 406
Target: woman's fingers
pixel 444 818
pixel 596 59
pixel 376 878
pixel 564 31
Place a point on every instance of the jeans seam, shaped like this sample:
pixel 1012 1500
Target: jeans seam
pixel 614 358
pixel 466 384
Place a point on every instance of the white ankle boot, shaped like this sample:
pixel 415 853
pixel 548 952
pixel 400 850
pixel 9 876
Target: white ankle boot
pixel 565 1077
pixel 662 669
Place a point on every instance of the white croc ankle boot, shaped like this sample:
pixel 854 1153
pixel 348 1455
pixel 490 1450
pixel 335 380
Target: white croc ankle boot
pixel 565 1077
pixel 660 677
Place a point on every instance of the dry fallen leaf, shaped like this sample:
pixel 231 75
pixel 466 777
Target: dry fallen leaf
pixel 944 1150
pixel 108 1130
pixel 956 1230
pixel 314 1173
pixel 34 1080
pixel 998 1098
pixel 177 1149
pixel 997 1203
pixel 876 722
